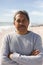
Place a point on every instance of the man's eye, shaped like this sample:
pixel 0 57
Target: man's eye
pixel 23 20
pixel 18 21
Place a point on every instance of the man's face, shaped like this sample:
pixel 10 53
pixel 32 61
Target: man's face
pixel 21 22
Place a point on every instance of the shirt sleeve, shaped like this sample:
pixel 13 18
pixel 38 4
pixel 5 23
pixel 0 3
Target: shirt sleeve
pixel 4 53
pixel 25 60
pixel 38 43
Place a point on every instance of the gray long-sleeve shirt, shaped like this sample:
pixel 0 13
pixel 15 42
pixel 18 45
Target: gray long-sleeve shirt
pixel 21 46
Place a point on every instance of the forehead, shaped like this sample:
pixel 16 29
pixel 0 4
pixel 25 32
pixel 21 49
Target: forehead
pixel 20 16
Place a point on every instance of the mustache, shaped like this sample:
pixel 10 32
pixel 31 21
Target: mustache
pixel 22 26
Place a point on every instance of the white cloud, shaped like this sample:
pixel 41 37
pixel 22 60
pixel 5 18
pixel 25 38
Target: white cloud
pixel 7 15
pixel 9 12
pixel 36 13
pixel 39 3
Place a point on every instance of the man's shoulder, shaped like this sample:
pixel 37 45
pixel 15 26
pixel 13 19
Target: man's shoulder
pixel 10 35
pixel 35 34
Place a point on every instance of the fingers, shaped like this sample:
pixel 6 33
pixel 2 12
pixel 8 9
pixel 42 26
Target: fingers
pixel 35 52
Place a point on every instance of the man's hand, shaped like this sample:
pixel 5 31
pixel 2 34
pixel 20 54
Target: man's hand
pixel 10 55
pixel 35 52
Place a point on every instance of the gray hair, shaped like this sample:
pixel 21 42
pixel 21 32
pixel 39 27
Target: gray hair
pixel 22 12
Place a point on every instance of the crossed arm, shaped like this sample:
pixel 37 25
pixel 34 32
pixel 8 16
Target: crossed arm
pixel 35 52
pixel 13 58
pixel 23 59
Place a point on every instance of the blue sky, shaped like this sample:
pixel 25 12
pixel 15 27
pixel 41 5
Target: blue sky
pixel 33 7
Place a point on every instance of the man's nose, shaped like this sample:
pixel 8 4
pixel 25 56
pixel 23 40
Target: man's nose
pixel 21 22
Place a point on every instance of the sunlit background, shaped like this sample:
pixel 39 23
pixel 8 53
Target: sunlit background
pixel 9 7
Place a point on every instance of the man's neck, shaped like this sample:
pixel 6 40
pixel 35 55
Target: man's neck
pixel 21 32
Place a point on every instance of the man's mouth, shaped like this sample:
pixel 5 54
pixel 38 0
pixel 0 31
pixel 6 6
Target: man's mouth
pixel 22 27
